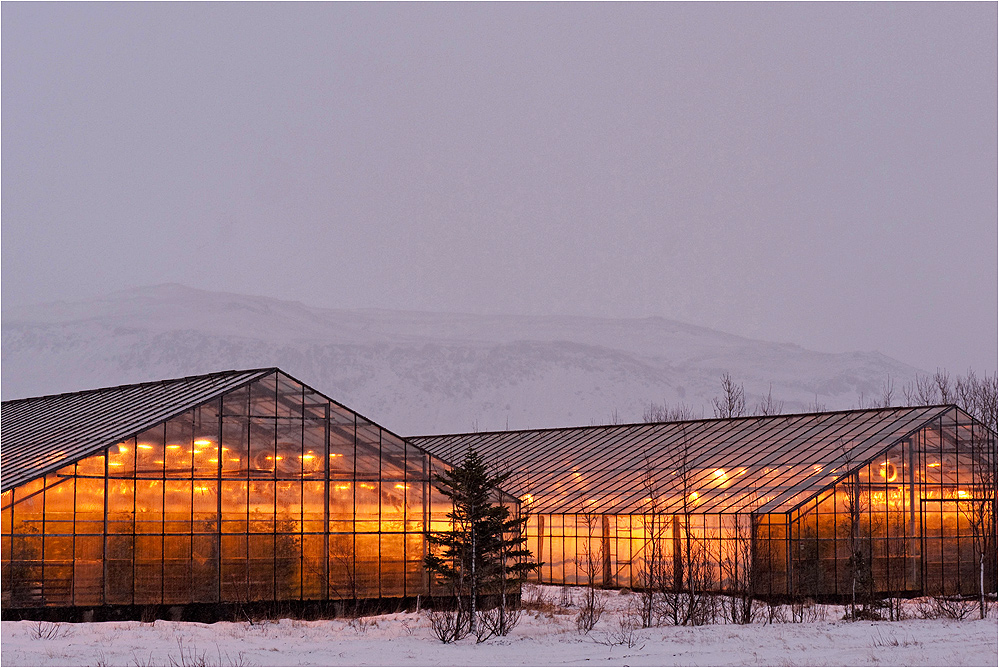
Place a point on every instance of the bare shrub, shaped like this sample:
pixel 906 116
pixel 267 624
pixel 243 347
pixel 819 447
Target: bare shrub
pixel 590 611
pixel 496 621
pixel 448 625
pixel 625 630
pixel 946 607
pixel 47 631
pixel 804 611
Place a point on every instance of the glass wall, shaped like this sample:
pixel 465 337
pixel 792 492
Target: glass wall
pixel 917 518
pixel 267 493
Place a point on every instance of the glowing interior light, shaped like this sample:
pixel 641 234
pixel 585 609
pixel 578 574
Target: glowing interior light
pixel 173 447
pixel 693 496
pixel 400 486
pixel 122 448
pixel 720 475
pixel 143 446
pixel 279 458
pixel 308 457
pixel 888 471
pixel 817 468
pixel 115 464
pixel 203 442
pixel 343 486
pixel 934 464
pixel 527 498
pixel 962 494
pixel 195 452
pixel 213 461
pixel 158 461
pixel 336 455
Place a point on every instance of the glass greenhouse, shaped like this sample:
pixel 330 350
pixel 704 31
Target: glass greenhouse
pixel 786 505
pixel 194 497
pixel 235 488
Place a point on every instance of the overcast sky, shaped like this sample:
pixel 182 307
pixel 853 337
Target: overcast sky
pixel 822 174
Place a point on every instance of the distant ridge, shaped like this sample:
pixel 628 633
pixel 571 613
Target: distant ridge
pixel 422 373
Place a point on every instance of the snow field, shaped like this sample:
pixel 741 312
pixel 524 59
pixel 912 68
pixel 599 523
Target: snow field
pixel 545 636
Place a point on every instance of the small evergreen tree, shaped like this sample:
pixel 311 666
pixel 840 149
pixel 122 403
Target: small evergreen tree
pixel 483 554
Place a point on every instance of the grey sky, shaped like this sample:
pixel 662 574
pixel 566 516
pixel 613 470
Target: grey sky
pixel 824 174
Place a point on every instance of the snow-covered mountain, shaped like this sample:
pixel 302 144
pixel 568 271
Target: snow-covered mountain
pixel 421 373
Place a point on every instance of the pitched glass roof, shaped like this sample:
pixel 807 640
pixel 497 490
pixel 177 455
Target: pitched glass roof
pixel 764 463
pixel 42 434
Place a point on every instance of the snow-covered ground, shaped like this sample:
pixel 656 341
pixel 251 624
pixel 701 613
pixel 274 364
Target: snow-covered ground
pixel 545 636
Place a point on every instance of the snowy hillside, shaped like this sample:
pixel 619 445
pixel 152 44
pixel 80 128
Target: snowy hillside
pixel 420 373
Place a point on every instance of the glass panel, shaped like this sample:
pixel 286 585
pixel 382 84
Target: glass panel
pixel 341 444
pixel 234 504
pixel 393 457
pixel 179 445
pixel 290 461
pixel 90 505
pixel 262 396
pixel 288 566
pixel 149 453
pixel 366 506
pixel 58 570
pixel 314 447
pixel 313 500
pixel 393 567
pixel 177 569
pixel 262 434
pixel 205 568
pixel 121 506
pixel 29 506
pixel 261 567
pixel 314 405
pixel 148 569
pixel 91 466
pixel 148 506
pixel 205 446
pixel 121 459
pixel 88 570
pixel 367 453
pixel 204 505
pixel 289 397
pixel 59 496
pixel 234 568
pixel 313 565
pixel 261 506
pixel 235 447
pixel 118 589
pixel 177 506
pixel 341 506
pixel 236 403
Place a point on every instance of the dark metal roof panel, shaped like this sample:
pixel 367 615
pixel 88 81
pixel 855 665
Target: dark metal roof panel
pixel 42 434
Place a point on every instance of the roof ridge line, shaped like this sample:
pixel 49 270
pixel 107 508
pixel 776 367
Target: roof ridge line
pixel 228 372
pixel 669 422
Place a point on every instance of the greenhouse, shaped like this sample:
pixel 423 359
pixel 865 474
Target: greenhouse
pixel 209 496
pixel 193 497
pixel 893 500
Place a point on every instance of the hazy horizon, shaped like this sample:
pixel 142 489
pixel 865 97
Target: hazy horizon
pixel 817 174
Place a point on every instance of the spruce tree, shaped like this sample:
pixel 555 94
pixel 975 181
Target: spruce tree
pixel 483 554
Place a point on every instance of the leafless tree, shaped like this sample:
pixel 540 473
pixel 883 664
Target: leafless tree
pixel 738 569
pixel 856 504
pixel 665 413
pixel 975 396
pixel 732 402
pixel 590 562
pixel 980 510
pixel 768 405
